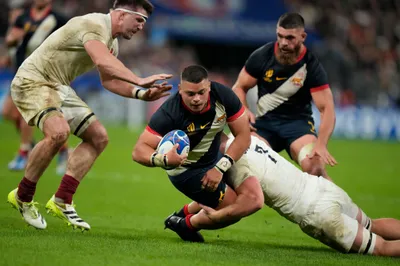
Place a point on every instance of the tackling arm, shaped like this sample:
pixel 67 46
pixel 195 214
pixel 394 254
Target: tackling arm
pixel 14 36
pixel 323 99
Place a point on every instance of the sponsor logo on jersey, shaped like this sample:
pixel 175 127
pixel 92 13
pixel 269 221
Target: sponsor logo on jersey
pixel 268 75
pixel 191 128
pixel 204 126
pixel 221 118
pixel 297 81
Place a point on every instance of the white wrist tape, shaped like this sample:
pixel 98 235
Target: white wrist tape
pixel 224 164
pixel 138 93
pixel 160 160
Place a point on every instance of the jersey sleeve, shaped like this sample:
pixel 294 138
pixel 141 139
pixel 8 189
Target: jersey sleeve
pixel 19 22
pixel 92 31
pixel 160 123
pixel 318 79
pixel 233 107
pixel 254 64
pixel 115 48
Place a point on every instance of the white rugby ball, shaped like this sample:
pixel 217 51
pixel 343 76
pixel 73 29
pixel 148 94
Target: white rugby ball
pixel 170 139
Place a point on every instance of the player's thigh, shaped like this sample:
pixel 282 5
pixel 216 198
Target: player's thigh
pixel 301 147
pixel 79 115
pixel 332 228
pixel 298 135
pixel 353 211
pixel 36 100
pixel 189 183
pixel 267 131
pixel 335 194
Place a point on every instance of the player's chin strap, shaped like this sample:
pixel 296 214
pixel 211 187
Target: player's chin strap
pixel 132 12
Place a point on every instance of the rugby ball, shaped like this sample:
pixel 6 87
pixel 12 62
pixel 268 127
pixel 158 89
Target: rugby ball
pixel 174 137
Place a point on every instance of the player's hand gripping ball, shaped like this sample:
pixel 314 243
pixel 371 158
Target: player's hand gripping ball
pixel 170 139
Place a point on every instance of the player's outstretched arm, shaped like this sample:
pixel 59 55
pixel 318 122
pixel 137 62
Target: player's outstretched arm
pixel 109 65
pixel 145 153
pixel 14 36
pixel 243 84
pixel 128 90
pixel 323 99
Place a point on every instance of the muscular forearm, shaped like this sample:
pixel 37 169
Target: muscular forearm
pixel 239 209
pixel 112 67
pixel 241 94
pixel 142 153
pixel 121 88
pixel 327 125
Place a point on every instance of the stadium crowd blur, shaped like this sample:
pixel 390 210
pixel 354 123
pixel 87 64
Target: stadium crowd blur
pixel 360 46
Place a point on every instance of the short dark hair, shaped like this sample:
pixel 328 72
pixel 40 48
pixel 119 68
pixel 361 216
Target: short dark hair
pixel 291 21
pixel 194 74
pixel 134 4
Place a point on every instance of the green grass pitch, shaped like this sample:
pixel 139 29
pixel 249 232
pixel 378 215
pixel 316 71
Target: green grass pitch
pixel 126 204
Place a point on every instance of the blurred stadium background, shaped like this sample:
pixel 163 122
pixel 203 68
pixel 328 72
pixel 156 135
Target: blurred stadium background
pixel 358 42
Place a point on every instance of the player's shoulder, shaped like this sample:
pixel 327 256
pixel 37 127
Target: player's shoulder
pixel 264 51
pixel 220 91
pixel 91 20
pixel 172 105
pixel 218 87
pixel 310 58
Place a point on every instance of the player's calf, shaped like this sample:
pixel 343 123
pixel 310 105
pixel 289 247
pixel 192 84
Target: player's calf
pixel 191 208
pixel 387 228
pixel 367 242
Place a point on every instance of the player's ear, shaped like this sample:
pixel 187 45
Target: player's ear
pixel 179 89
pixel 208 84
pixel 121 16
pixel 304 36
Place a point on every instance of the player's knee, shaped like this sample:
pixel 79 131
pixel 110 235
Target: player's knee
pixel 313 167
pixel 59 136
